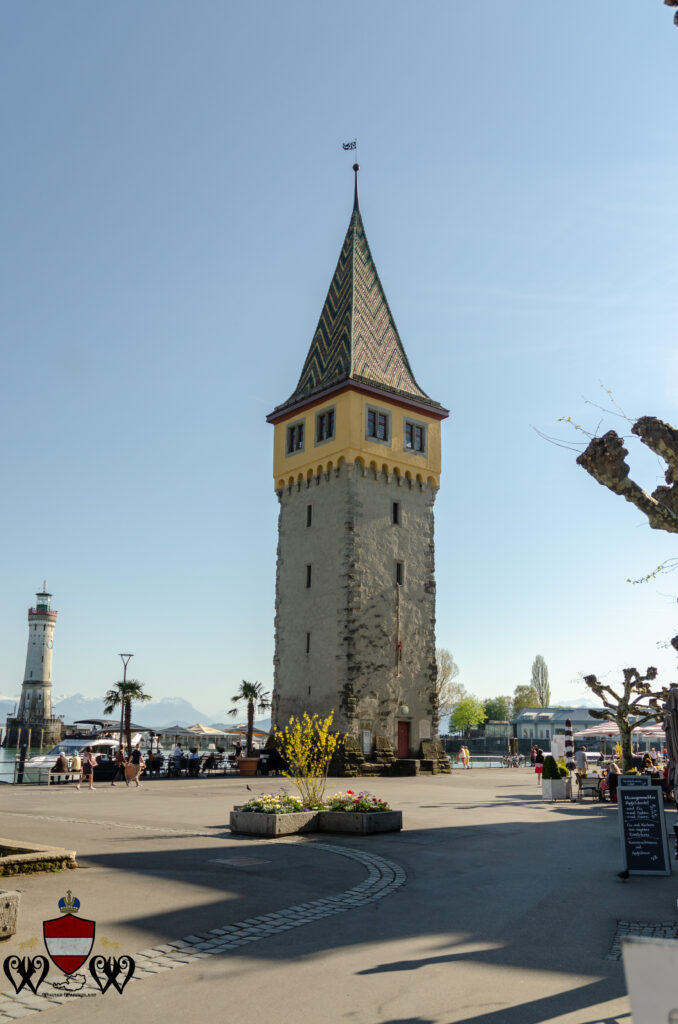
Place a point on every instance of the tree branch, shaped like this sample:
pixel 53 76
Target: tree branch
pixel 605 460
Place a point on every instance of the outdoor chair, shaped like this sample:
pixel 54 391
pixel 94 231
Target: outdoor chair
pixel 589 785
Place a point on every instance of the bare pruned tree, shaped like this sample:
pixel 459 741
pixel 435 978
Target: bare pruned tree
pixel 637 700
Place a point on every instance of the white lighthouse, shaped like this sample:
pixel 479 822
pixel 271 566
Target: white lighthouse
pixel 35 706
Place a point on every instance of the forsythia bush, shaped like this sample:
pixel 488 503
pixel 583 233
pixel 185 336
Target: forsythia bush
pixel 308 746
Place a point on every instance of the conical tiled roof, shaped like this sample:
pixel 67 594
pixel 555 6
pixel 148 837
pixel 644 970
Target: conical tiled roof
pixel 356 337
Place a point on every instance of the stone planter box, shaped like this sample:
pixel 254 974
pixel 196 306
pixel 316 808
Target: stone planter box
pixel 25 858
pixel 255 823
pixel 360 821
pixel 556 789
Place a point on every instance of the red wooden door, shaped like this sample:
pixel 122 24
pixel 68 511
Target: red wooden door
pixel 403 739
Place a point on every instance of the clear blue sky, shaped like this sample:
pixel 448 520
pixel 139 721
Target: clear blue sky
pixel 174 198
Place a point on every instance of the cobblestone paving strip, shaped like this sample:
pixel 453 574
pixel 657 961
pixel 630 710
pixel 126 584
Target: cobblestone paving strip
pixel 649 929
pixel 383 878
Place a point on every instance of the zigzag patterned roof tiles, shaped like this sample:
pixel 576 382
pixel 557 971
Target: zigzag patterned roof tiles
pixel 356 337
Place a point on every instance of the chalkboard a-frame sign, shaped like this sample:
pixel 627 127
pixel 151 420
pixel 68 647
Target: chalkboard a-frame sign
pixel 643 830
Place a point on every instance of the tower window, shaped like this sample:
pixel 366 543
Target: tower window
pixel 415 437
pixel 308 643
pixel 324 426
pixel 308 576
pixel 396 513
pixel 400 573
pixel 309 514
pixel 295 438
pixel 378 425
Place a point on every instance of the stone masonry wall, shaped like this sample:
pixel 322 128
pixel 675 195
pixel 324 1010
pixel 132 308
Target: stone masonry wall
pixel 350 609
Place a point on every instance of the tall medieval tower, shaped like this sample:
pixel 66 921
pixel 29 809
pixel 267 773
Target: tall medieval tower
pixel 357 469
pixel 35 706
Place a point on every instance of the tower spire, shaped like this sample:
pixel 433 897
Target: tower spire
pixel 356 339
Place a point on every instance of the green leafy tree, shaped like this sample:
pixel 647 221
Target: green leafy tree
pixel 449 690
pixel 540 682
pixel 524 697
pixel 497 709
pixel 253 695
pixel 468 713
pixel 122 696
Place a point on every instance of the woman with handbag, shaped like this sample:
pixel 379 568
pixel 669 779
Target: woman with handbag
pixel 138 764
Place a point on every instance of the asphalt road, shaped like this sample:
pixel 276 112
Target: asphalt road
pixel 506 916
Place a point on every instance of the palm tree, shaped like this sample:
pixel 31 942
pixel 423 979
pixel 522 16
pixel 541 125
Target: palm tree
pixel 122 695
pixel 254 694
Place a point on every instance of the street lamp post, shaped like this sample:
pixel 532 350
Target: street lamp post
pixel 125 662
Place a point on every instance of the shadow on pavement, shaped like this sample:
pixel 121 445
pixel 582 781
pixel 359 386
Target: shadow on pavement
pixel 513 889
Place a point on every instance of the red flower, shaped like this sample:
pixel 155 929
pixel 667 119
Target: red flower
pixel 349 792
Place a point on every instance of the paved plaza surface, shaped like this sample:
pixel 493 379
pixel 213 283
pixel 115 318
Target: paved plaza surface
pixel 490 907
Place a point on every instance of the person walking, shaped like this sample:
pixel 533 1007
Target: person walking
pixel 533 754
pixel 120 762
pixel 137 759
pixel 89 762
pixel 539 764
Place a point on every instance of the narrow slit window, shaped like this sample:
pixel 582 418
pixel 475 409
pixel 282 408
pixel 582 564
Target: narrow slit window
pixel 309 569
pixel 308 643
pixel 396 513
pixel 400 573
pixel 309 514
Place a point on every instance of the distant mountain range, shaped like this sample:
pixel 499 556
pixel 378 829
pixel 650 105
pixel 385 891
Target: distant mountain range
pixel 160 714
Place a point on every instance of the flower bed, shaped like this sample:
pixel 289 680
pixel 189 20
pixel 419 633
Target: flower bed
pixel 350 802
pixel 281 814
pixel 273 803
pixel 273 814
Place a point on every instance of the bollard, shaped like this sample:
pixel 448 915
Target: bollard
pixel 22 761
pixel 9 912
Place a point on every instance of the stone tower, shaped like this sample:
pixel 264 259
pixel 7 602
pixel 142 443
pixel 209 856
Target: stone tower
pixel 35 706
pixel 357 469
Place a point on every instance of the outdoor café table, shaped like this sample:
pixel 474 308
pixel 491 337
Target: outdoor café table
pixel 590 784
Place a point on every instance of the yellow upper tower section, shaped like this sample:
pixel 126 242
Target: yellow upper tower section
pixel 357 398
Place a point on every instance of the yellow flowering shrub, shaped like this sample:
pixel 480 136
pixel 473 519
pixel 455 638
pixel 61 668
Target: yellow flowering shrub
pixel 308 746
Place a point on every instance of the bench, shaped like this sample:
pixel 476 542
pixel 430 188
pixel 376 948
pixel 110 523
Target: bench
pixel 54 778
